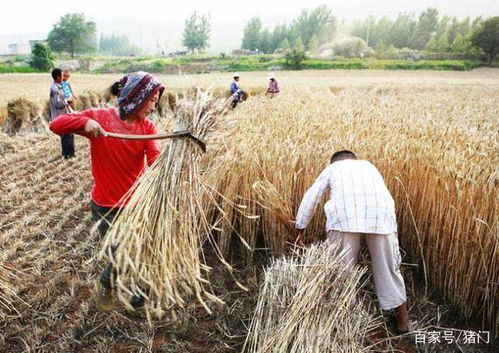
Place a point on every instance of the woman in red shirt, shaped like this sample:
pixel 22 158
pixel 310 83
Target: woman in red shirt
pixel 116 164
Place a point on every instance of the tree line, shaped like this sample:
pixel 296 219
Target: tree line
pixel 308 30
pixel 428 31
pixel 75 33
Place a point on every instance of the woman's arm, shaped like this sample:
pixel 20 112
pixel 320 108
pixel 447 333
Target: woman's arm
pixel 81 123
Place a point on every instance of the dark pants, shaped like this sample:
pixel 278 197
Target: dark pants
pixel 68 145
pixel 105 216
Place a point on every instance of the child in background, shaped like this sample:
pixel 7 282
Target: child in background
pixel 66 88
pixel 59 105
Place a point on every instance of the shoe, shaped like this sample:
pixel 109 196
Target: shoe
pixel 104 300
pixel 137 303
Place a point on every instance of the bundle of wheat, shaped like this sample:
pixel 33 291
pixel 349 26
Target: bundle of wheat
pixel 46 114
pixel 23 116
pixel 90 99
pixel 95 98
pixel 310 303
pixel 158 235
pixel 83 102
pixel 167 104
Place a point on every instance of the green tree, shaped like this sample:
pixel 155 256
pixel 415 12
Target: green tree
pixel 42 57
pixel 431 45
pixel 379 48
pixel 460 45
pixel 278 35
pixel 197 32
pixel 443 26
pixel 442 43
pixel 251 36
pixel 285 45
pixel 265 45
pixel 391 52
pixel 117 45
pixel 362 28
pixel 486 37
pixel 204 32
pixel 402 30
pixel 294 59
pixel 73 33
pixel 465 26
pixel 299 45
pixel 313 43
pixel 453 30
pixel 476 23
pixel 189 39
pixel 319 21
pixel 372 30
pixel 426 28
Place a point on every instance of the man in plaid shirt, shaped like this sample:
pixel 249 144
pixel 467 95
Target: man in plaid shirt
pixel 361 205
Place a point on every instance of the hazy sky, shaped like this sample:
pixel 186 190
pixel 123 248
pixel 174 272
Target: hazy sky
pixel 157 21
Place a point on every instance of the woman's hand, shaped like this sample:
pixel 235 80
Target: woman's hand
pixel 93 129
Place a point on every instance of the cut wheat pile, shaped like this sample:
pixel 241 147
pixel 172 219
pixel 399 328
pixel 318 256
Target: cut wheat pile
pixel 311 303
pixel 23 116
pixel 158 235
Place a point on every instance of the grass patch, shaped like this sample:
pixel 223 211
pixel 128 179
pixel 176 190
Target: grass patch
pixel 18 69
pixel 195 64
pixel 456 65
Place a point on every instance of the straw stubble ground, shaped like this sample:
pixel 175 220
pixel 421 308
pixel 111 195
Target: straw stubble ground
pixel 436 144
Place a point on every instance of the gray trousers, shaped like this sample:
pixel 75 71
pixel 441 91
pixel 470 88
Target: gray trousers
pixel 385 258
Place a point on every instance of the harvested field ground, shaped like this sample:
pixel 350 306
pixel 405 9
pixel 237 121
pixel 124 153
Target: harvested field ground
pixel 47 240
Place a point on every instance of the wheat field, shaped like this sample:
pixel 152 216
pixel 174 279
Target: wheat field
pixel 433 135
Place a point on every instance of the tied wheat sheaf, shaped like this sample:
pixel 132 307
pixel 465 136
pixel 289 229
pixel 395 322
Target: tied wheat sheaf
pixel 157 237
pixel 310 302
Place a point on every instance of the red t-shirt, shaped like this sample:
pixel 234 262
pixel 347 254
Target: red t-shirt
pixel 116 163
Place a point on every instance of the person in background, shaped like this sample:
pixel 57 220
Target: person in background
pixel 235 91
pixel 66 87
pixel 273 90
pixel 116 164
pixel 360 206
pixel 60 105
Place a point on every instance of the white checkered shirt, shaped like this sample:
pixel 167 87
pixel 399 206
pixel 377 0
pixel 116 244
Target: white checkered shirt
pixel 359 199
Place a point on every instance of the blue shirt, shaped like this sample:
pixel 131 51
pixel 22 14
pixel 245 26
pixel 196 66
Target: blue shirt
pixel 66 88
pixel 235 90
